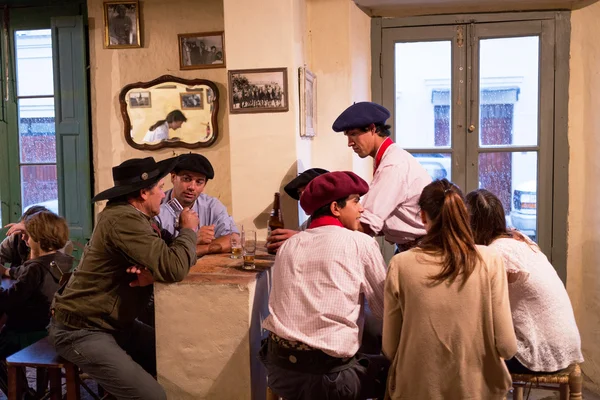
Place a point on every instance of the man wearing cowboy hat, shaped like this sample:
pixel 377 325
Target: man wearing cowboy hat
pixel 94 318
pixel 391 208
pixel 320 279
pixel 215 226
pixel 294 189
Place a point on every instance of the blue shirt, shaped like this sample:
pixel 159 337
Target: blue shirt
pixel 210 212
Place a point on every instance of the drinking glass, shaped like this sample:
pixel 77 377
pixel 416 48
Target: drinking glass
pixel 249 248
pixel 235 241
pixel 175 208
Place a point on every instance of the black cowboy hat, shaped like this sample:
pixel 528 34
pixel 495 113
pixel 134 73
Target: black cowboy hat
pixel 302 180
pixel 136 174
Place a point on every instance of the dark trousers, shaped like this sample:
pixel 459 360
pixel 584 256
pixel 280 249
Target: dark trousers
pixel 298 375
pixel 515 367
pixel 372 333
pixel 122 363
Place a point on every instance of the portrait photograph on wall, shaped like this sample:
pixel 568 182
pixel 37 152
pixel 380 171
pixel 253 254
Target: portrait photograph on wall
pixel 140 99
pixel 121 24
pixel 258 90
pixel 201 50
pixel 192 100
pixel 308 102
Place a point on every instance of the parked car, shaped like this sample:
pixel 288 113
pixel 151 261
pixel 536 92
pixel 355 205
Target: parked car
pixel 524 208
pixel 435 164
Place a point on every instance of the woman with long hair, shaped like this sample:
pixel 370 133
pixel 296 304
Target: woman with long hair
pixel 447 325
pixel 160 129
pixel 547 335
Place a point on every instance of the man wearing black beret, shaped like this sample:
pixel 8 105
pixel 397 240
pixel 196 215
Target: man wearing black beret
pixel 391 206
pixel 321 278
pixel 294 189
pixel 189 178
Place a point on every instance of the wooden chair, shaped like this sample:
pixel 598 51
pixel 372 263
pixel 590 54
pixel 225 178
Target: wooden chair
pixel 568 382
pixel 42 356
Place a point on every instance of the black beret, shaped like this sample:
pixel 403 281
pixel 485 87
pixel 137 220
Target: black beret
pixel 359 115
pixel 195 163
pixel 302 180
pixel 327 188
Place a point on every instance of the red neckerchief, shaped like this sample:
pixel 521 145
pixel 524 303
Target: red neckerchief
pixel 324 221
pixel 386 143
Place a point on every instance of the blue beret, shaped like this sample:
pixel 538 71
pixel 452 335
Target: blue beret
pixel 359 115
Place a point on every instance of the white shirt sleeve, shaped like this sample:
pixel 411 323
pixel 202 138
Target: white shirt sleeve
pixel 387 191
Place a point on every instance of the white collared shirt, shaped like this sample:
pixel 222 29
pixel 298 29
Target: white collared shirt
pixel 320 279
pixel 391 205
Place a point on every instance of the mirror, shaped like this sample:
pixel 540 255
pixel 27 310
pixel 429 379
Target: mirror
pixel 170 112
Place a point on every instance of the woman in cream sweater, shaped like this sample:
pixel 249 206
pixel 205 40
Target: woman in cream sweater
pixel 447 326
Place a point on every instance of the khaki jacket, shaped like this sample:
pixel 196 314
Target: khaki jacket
pixel 98 295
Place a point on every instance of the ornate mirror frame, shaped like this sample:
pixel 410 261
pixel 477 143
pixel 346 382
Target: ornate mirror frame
pixel 168 143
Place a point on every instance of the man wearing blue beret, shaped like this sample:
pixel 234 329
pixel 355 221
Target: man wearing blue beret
pixel 391 205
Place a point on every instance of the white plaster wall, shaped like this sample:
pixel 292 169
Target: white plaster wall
pixel 111 69
pixel 263 146
pixel 583 253
pixel 203 346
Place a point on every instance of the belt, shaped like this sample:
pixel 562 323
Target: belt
pixel 308 361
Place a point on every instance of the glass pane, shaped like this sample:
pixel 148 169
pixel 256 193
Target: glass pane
pixel 513 178
pixel 438 165
pixel 37 138
pixel 509 90
pixel 422 94
pixel 34 63
pixel 39 186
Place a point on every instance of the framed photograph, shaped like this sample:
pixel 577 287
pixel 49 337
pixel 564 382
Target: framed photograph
pixel 308 102
pixel 140 100
pixel 192 100
pixel 121 24
pixel 258 90
pixel 201 50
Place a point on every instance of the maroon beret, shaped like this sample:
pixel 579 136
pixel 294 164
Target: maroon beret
pixel 329 187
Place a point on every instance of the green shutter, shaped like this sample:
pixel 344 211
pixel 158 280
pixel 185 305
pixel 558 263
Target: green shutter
pixel 72 127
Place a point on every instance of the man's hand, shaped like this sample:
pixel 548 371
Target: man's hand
pixel 5 271
pixel 278 237
pixel 188 219
pixel 16 227
pixel 206 234
pixel 143 276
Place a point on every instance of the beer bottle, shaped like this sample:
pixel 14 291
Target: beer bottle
pixel 276 218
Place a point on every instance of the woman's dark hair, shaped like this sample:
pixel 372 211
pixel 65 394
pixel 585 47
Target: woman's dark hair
pixel 449 234
pixel 173 116
pixel 326 210
pixel 32 210
pixel 380 129
pixel 488 220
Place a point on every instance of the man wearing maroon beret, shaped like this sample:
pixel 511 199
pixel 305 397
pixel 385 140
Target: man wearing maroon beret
pixel 321 278
pixel 391 206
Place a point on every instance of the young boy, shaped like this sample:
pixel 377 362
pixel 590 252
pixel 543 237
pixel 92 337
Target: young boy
pixel 321 278
pixel 27 302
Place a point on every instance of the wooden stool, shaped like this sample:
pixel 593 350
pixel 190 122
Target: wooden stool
pixel 568 382
pixel 42 356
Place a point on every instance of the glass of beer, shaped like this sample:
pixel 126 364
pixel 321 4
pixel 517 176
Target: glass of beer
pixel 235 241
pixel 175 208
pixel 249 248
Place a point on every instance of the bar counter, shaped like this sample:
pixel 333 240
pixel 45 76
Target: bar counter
pixel 208 329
